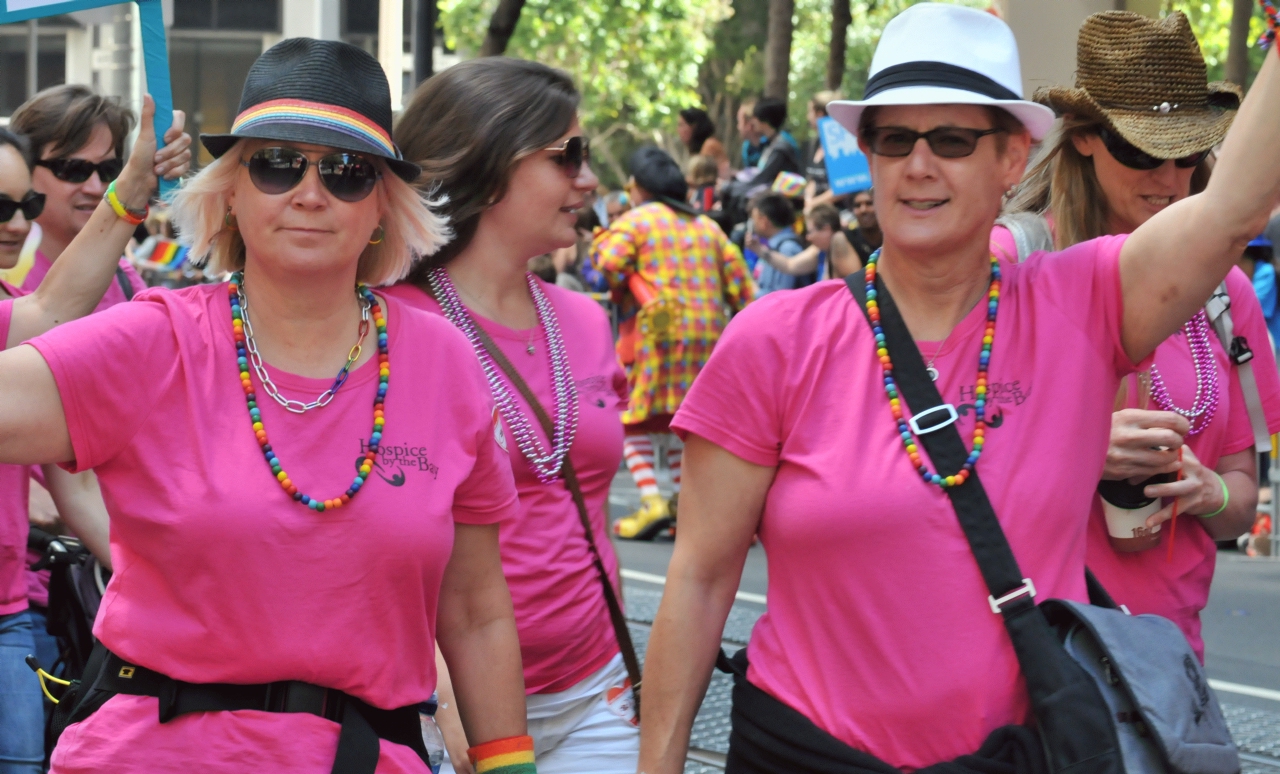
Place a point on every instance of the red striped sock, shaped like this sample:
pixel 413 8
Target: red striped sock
pixel 675 455
pixel 638 451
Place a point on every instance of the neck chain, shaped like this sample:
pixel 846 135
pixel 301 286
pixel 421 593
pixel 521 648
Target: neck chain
pixel 243 333
pixel 545 463
pixel 1205 403
pixel 891 386
pixel 296 406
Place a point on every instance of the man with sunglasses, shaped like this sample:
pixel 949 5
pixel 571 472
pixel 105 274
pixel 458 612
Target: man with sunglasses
pixel 78 137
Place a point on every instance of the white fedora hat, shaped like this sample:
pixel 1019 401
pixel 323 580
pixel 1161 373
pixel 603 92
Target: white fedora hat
pixel 935 54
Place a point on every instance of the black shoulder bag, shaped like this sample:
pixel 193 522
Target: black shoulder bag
pixel 1111 693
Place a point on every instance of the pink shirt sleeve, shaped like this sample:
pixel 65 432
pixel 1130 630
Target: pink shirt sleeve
pixel 742 380
pixel 1003 245
pixel 110 368
pixel 6 314
pixel 1248 321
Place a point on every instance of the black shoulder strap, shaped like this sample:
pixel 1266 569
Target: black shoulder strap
pixel 946 450
pixel 126 284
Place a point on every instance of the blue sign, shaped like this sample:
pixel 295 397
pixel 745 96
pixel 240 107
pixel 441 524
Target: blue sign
pixel 155 52
pixel 847 169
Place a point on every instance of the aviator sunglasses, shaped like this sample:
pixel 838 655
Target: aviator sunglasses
pixel 348 176
pixel 31 205
pixel 575 152
pixel 1131 157
pixel 80 170
pixel 949 142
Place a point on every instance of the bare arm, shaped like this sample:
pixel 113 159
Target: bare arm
pixel 450 722
pixel 844 259
pixel 476 632
pixel 1171 264
pixel 77 280
pixel 79 502
pixel 720 505
pixel 803 262
pixel 33 428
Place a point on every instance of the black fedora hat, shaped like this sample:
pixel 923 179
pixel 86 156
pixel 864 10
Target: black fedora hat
pixel 322 92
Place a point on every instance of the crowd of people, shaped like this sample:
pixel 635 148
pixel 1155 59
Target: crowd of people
pixel 1082 280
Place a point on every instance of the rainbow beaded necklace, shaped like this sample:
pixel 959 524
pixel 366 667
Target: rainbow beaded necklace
pixel 891 386
pixel 255 414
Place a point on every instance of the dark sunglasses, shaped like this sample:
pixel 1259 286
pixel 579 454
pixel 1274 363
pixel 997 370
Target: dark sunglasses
pixel 1133 158
pixel 949 142
pixel 31 205
pixel 348 176
pixel 80 170
pixel 575 152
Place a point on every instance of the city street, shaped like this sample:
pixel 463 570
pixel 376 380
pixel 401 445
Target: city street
pixel 1241 633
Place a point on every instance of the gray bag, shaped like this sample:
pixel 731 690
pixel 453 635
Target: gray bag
pixel 1167 719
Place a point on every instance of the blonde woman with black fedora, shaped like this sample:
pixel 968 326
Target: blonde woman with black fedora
pixel 1137 130
pixel 302 475
pixel 884 647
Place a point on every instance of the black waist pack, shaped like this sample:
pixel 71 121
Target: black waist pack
pixel 1111 693
pixel 362 724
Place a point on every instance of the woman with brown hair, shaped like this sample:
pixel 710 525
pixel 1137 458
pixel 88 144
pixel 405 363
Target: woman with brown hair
pixel 1107 170
pixel 238 632
pixel 499 140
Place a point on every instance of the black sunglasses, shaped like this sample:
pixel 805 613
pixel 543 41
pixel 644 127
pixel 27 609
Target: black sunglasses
pixel 80 170
pixel 348 176
pixel 1123 152
pixel 575 152
pixel 949 142
pixel 31 205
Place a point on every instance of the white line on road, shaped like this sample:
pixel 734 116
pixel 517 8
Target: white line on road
pixel 760 599
pixel 1245 690
pixel 661 580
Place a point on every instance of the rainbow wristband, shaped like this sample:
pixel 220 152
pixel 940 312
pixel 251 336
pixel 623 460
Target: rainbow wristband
pixel 513 755
pixel 1226 498
pixel 132 217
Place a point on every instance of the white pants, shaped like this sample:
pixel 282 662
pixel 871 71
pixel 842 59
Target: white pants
pixel 580 731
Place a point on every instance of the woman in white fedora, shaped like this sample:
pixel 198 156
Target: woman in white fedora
pixel 883 648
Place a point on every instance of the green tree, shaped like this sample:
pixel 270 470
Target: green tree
pixel 1211 21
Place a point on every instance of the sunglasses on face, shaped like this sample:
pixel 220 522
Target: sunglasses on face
pixel 1133 158
pixel 949 142
pixel 31 205
pixel 80 170
pixel 348 176
pixel 575 152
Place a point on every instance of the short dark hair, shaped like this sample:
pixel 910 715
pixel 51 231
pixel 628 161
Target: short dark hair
pixel 776 207
pixel 772 111
pixel 19 143
pixel 60 120
pixel 824 215
pixel 702 125
pixel 469 126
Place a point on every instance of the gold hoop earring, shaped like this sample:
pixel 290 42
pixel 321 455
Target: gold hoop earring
pixel 382 234
pixel 229 221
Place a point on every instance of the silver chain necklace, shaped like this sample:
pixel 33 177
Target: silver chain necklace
pixel 268 386
pixel 546 464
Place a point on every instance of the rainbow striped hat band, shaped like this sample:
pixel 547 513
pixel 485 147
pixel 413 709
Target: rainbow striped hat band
pixel 318 92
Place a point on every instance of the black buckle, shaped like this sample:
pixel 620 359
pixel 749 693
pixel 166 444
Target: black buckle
pixel 1240 352
pixel 295 696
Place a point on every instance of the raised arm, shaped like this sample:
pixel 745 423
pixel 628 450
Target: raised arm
pixel 77 280
pixel 803 262
pixel 720 506
pixel 1170 265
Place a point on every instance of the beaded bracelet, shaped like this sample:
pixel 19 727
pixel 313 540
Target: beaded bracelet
pixel 513 755
pixel 1226 498
pixel 1273 23
pixel 132 217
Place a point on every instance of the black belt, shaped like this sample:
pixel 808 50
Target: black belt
pixel 362 724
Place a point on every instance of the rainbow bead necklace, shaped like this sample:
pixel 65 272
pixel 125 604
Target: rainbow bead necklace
pixel 980 391
pixel 255 414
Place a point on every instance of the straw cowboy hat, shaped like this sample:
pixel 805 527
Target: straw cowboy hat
pixel 935 54
pixel 1146 79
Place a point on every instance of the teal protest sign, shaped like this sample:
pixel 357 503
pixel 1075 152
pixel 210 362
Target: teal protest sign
pixel 847 169
pixel 155 53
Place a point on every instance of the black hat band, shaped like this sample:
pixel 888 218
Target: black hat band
pixel 935 74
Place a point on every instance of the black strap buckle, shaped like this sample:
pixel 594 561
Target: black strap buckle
pixel 1240 352
pixel 294 696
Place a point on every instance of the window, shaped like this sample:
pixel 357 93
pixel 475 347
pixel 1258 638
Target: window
pixel 247 15
pixel 51 65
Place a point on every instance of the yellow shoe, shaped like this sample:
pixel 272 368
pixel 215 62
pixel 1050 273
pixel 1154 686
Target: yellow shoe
pixel 645 524
pixel 673 505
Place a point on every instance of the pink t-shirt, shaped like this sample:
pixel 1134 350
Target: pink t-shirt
pixel 878 627
pixel 13 514
pixel 220 576
pixel 565 631
pixel 1149 581
pixel 114 295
